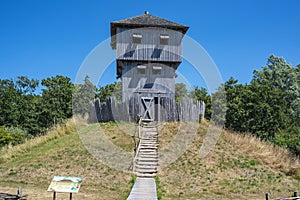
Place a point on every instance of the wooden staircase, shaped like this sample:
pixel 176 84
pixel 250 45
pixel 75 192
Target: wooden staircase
pixel 145 165
pixel 146 160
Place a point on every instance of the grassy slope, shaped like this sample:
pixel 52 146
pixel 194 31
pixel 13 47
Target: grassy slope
pixel 63 155
pixel 237 167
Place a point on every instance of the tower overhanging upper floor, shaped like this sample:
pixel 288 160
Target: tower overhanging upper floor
pixel 144 20
pixel 147 38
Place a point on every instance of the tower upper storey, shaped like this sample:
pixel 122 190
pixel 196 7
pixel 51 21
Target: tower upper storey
pixel 147 38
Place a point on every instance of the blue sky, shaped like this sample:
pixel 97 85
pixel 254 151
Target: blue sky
pixel 43 38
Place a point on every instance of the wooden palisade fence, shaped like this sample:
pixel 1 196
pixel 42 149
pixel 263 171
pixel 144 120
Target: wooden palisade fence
pixel 130 110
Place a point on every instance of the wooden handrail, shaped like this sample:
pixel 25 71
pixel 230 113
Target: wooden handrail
pixel 295 197
pixel 137 147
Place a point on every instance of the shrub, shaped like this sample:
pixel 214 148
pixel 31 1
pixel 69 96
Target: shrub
pixel 11 136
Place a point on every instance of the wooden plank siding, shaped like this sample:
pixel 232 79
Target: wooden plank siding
pixel 150 48
pixel 133 81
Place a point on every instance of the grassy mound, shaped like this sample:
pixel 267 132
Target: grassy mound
pixel 238 167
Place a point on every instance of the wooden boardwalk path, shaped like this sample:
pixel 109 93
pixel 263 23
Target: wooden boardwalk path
pixel 145 166
pixel 143 189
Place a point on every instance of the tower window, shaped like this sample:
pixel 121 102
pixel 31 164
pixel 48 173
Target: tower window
pixel 137 38
pixel 156 70
pixel 164 39
pixel 141 69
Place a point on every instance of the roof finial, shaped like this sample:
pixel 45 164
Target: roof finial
pixel 146 12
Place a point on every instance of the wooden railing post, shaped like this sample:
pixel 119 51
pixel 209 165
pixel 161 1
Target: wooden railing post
pixel 267 196
pixel 19 194
pixel 138 142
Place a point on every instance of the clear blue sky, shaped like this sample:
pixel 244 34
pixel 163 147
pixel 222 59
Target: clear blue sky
pixel 43 38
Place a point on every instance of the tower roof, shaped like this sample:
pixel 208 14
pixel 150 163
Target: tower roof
pixel 146 20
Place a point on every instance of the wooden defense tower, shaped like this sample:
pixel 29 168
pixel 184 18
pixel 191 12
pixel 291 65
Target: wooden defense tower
pixel 149 50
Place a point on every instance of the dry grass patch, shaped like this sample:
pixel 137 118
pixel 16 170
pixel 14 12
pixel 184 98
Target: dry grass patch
pixel 234 169
pixel 273 156
pixel 60 130
pixel 121 134
pixel 65 155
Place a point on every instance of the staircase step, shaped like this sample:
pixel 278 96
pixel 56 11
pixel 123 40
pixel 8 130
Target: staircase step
pixel 147 159
pixel 148 152
pixel 147 167
pixel 148 171
pixel 143 154
pixel 147 163
pixel 150 135
pixel 149 145
pixel 154 158
pixel 151 154
pixel 148 142
pixel 148 148
pixel 147 175
pixel 154 145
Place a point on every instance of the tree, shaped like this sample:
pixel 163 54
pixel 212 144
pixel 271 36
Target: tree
pixel 56 100
pixel 83 94
pixel 201 94
pixel 28 104
pixel 255 108
pixel 8 103
pixel 218 106
pixel 283 77
pixel 26 86
pixel 19 104
pixel 114 89
pixel 180 91
pixel 269 106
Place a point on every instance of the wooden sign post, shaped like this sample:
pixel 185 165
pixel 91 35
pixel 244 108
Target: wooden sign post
pixel 64 184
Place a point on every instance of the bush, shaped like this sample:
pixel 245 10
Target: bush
pixel 289 139
pixel 11 136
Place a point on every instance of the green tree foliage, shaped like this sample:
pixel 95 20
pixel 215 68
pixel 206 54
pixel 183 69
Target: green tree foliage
pixel 114 89
pixel 180 91
pixel 201 94
pixel 9 103
pixel 24 111
pixel 281 76
pixel 218 106
pixel 26 85
pixel 28 105
pixel 255 108
pixel 11 136
pixel 56 100
pixel 269 106
pixel 19 104
pixel 83 94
